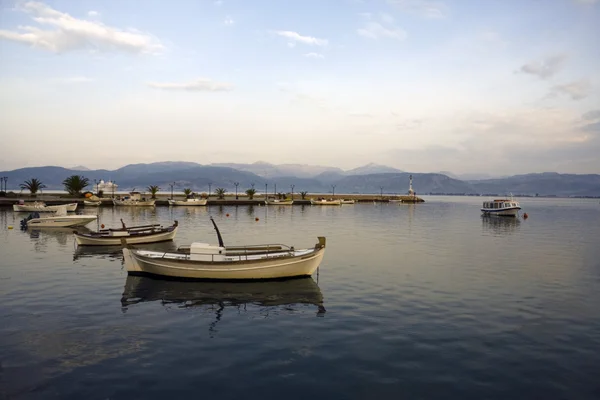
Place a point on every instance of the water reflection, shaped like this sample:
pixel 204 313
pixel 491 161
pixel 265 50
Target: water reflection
pixel 283 295
pixel 500 225
pixel 41 235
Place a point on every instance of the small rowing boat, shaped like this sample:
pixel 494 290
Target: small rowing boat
pixel 153 233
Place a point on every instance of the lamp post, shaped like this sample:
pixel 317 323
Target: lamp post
pixel 275 191
pixel 172 184
pixel 113 189
pixel 209 186
pixel 236 185
pixel 381 192
pixel 292 186
pixel 96 184
pixel 332 191
pixel 266 194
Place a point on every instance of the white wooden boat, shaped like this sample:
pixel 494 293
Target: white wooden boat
pixel 288 294
pixel 91 203
pixel 40 206
pixel 188 202
pixel 501 207
pixel 325 202
pixel 154 233
pixel 347 201
pixel 205 261
pixel 57 219
pixel 134 199
pixel 278 202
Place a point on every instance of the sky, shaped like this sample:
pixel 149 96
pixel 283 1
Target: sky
pixel 472 86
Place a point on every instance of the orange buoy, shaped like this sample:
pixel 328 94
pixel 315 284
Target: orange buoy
pixel 227 215
pixel 256 219
pixel 102 226
pixel 525 216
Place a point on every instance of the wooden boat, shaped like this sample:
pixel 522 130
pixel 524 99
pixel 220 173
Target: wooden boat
pixel 153 233
pixel 57 219
pixel 278 202
pixel 140 289
pixel 40 206
pixel 205 261
pixel 188 202
pixel 134 199
pixel 501 208
pixel 347 201
pixel 325 202
pixel 91 203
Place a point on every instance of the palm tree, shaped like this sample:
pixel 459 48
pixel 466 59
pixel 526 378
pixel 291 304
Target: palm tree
pixel 75 184
pixel 303 194
pixel 220 192
pixel 251 193
pixel 33 185
pixel 153 189
pixel 188 192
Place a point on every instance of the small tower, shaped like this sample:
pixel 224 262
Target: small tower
pixel 411 192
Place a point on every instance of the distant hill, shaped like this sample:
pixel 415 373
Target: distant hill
pixel 198 177
pixel 268 170
pixel 80 168
pixel 372 168
pixel 547 183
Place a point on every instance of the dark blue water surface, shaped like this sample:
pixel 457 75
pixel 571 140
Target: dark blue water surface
pixel 412 301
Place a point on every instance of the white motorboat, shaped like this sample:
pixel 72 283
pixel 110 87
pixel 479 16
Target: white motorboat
pixel 325 202
pixel 134 199
pixel 106 187
pixel 91 203
pixel 58 219
pixel 278 202
pixel 188 202
pixel 205 261
pixel 501 207
pixel 40 206
pixel 135 235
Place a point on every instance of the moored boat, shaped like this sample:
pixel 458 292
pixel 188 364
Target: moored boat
pixel 59 219
pixel 325 202
pixel 153 233
pixel 347 201
pixel 278 202
pixel 205 261
pixel 501 207
pixel 134 199
pixel 188 202
pixel 40 206
pixel 92 203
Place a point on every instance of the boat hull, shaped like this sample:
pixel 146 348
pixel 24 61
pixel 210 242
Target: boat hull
pixel 502 212
pixel 279 203
pixel 326 202
pixel 196 203
pixel 86 240
pixel 61 222
pixel 134 203
pixel 43 208
pixel 268 268
pixel 92 203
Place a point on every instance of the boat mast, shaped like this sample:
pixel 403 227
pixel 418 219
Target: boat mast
pixel 218 233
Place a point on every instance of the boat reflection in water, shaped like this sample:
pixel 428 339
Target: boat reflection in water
pixel 500 226
pixel 283 295
pixel 116 252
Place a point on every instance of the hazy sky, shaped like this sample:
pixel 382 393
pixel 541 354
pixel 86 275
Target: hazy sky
pixel 497 86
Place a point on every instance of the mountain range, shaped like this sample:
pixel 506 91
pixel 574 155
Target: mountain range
pixel 370 178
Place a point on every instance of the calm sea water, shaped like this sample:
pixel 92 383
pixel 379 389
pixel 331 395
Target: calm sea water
pixel 411 301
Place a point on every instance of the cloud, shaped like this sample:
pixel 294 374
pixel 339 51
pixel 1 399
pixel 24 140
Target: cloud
pixel 591 115
pixel 545 68
pixel 295 37
pixel 93 14
pixel 75 34
pixel 229 21
pixel 314 55
pixel 198 85
pixel 74 80
pixel 576 90
pixel 425 8
pixel 375 30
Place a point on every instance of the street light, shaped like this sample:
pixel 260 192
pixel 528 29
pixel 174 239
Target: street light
pixel 332 190
pixel 236 185
pixel 266 194
pixel 113 189
pixel 275 191
pixel 292 186
pixel 96 182
pixel 172 184
pixel 381 193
